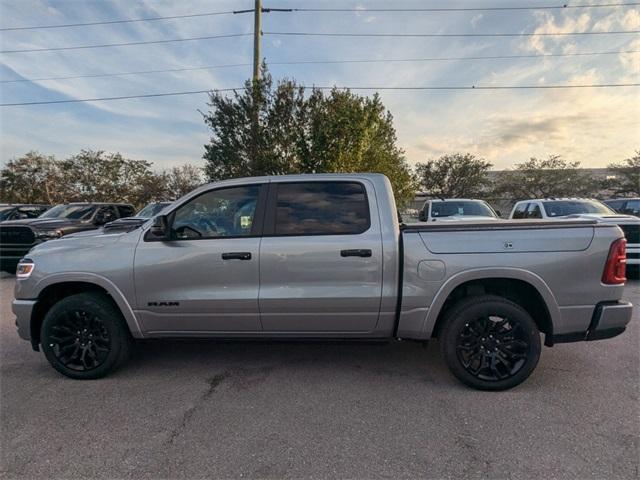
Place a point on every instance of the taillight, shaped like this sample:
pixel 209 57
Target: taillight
pixel 614 269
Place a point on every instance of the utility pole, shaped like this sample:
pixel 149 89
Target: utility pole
pixel 255 130
pixel 257 32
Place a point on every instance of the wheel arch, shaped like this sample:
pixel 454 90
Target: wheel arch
pixel 56 287
pixel 521 286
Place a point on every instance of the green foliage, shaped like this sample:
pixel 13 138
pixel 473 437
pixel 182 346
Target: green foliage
pixel 456 175
pixel 32 178
pixel 627 177
pixel 334 132
pixel 93 176
pixel 546 178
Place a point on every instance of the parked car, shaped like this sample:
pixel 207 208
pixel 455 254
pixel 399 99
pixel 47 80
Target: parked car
pixel 19 211
pixel 553 208
pixel 139 218
pixel 323 256
pixel 626 206
pixel 17 237
pixel 456 209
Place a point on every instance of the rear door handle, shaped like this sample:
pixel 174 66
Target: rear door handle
pixel 358 252
pixel 236 256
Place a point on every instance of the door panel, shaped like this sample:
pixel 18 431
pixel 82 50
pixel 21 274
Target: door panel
pixel 308 283
pixel 205 278
pixel 212 294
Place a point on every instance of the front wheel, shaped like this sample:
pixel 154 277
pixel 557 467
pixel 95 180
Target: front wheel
pixel 84 336
pixel 490 343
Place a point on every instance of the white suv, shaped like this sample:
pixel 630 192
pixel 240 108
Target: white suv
pixel 552 208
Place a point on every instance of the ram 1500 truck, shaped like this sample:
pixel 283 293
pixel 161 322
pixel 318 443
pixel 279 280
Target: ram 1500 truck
pixel 323 257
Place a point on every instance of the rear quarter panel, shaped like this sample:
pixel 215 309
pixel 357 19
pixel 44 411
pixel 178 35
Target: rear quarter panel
pixel 564 265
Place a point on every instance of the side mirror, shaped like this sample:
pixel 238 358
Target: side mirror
pixel 422 216
pixel 160 228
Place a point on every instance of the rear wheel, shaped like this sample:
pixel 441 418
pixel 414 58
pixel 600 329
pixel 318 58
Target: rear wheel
pixel 84 336
pixel 490 343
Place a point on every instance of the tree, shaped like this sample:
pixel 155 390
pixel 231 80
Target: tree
pixel 33 178
pixel 455 175
pixel 106 177
pixel 547 178
pixel 334 132
pixel 627 177
pixel 181 180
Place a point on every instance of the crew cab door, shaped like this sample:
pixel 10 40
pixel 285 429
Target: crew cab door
pixel 321 258
pixel 205 277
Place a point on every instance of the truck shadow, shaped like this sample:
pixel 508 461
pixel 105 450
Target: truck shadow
pixel 314 358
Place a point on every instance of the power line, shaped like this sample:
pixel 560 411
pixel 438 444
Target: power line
pixel 321 62
pixel 289 10
pixel 430 35
pixel 416 88
pixel 111 22
pixel 462 9
pixel 126 44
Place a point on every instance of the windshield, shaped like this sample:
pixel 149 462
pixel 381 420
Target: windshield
pixel 77 212
pixel 561 208
pixel 5 212
pixel 152 209
pixel 461 208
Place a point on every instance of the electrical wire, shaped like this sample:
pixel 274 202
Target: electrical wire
pixel 462 9
pixel 126 44
pixel 448 35
pixel 472 87
pixel 321 62
pixel 112 22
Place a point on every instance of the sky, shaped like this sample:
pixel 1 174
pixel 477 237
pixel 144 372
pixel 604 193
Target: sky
pixel 506 127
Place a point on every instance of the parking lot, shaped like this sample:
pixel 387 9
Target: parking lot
pixel 196 409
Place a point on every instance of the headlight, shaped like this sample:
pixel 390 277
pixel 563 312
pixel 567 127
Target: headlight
pixel 49 234
pixel 25 268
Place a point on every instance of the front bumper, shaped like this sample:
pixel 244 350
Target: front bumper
pixel 23 310
pixel 609 320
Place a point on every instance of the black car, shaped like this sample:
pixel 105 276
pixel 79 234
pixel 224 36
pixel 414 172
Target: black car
pixel 18 211
pixel 150 210
pixel 17 237
pixel 626 206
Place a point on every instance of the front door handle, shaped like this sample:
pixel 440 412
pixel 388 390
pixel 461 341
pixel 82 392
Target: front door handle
pixel 236 256
pixel 358 252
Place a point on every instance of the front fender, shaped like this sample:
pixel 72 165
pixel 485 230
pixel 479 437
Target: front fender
pixel 99 280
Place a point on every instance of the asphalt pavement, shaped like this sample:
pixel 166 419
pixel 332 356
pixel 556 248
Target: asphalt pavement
pixel 203 409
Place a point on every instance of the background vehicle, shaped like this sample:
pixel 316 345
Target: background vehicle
pixel 589 209
pixel 139 218
pixel 17 237
pixel 323 256
pixel 626 206
pixel 18 211
pixel 457 209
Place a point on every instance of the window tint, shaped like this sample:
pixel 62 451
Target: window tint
pixel 125 211
pixel 615 204
pixel 226 212
pixel 520 211
pixel 533 211
pixel 632 207
pixel 460 208
pixel 321 208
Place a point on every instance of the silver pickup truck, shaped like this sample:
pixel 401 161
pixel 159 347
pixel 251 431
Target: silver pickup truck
pixel 323 257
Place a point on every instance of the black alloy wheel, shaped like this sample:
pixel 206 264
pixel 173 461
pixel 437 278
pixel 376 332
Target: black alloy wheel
pixel 85 336
pixel 489 342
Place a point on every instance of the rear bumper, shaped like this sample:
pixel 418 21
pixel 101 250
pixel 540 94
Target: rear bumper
pixel 609 320
pixel 23 310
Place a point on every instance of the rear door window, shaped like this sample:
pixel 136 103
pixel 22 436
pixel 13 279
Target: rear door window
pixel 321 208
pixel 520 211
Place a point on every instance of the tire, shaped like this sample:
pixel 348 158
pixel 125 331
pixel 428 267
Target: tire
pixel 84 336
pixel 490 343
